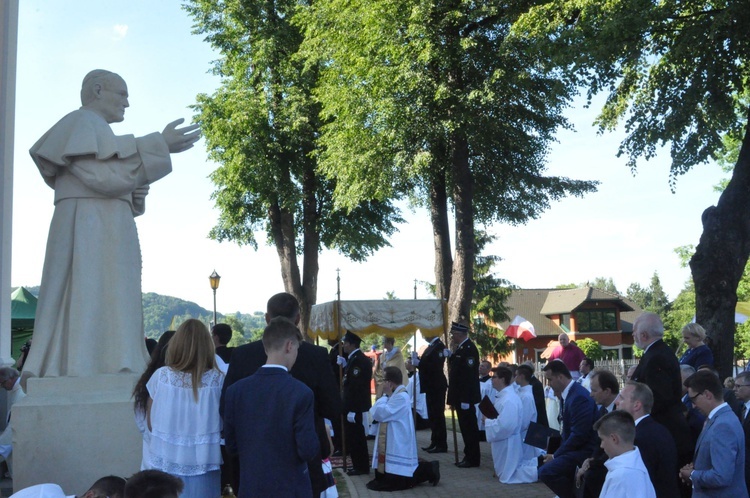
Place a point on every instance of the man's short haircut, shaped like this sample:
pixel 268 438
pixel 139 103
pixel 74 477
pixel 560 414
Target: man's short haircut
pixel 277 332
pixel 153 484
pixel 651 323
pixel 557 367
pixel 393 374
pixel 8 373
pixel 708 368
pixel 223 331
pixel 743 376
pixel 111 486
pixel 588 361
pixel 389 340
pixel 283 304
pixel 617 422
pixel 606 380
pixel 705 380
pixel 526 371
pixel 642 393
pixel 687 369
pixel 504 373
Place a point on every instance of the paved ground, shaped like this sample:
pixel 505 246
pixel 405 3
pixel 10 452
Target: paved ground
pixel 454 482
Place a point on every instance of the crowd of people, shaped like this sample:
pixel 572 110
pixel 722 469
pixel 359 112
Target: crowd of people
pixel 266 417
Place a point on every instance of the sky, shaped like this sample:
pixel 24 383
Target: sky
pixel 627 230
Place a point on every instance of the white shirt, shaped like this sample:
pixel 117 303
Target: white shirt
pixel 187 445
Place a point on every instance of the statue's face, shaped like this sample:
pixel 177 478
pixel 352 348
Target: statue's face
pixel 113 99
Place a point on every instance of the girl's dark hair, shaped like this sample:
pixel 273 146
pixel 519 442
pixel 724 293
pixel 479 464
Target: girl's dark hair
pixel 158 360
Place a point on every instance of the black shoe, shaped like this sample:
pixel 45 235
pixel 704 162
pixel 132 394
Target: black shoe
pixel 336 453
pixel 465 464
pixel 357 472
pixel 430 447
pixel 435 472
pixel 370 438
pixel 437 449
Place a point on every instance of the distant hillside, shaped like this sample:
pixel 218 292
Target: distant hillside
pixel 159 313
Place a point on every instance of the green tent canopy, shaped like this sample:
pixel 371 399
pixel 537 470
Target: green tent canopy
pixel 22 313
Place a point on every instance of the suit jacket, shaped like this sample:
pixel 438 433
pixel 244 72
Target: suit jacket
pixel 659 454
pixel 541 407
pixel 463 375
pixel 579 413
pixel 660 370
pixel 357 377
pixel 719 460
pixel 269 420
pixel 311 368
pixel 431 377
pixel 225 353
pixel 746 430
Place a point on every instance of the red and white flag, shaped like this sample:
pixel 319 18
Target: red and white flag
pixel 521 328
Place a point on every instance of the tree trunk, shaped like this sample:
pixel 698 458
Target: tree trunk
pixel 720 259
pixel 308 294
pixel 462 280
pixel 441 236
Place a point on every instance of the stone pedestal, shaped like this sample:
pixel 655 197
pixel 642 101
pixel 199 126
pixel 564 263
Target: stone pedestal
pixel 72 431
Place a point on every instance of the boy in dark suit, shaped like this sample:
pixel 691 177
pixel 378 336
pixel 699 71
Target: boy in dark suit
pixel 269 420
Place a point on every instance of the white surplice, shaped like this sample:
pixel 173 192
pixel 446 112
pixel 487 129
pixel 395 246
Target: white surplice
pixel 401 439
pixel 627 477
pixel 485 389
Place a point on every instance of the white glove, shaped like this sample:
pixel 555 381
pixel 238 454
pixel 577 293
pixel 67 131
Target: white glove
pixel 446 353
pixel 465 406
pixel 350 415
pixel 340 360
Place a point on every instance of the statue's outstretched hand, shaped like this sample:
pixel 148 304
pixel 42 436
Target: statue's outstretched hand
pixel 180 139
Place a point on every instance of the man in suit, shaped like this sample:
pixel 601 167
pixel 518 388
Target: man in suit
pixel 578 411
pixel 311 368
pixel 604 389
pixel 718 469
pixel 742 391
pixel 656 444
pixel 221 334
pixel 269 420
pixel 660 371
pixel 463 391
pixel 433 384
pixel 357 401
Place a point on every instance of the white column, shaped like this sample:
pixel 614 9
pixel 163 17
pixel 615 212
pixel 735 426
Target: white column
pixel 8 48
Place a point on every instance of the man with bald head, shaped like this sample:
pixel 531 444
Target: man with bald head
pixel 569 353
pixel 660 371
pixel 95 325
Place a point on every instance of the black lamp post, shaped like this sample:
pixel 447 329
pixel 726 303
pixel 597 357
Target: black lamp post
pixel 214 280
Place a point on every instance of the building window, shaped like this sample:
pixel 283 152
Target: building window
pixel 596 320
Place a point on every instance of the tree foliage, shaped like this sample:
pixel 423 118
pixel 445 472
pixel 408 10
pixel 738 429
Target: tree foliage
pixel 676 74
pixel 591 348
pixel 489 306
pixel 430 100
pixel 261 126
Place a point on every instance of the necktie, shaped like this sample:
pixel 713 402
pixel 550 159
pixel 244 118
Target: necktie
pixel 602 411
pixel 744 413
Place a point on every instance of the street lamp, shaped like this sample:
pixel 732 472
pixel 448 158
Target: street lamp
pixel 214 280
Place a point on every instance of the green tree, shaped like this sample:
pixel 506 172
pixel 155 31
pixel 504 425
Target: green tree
pixel 653 298
pixel 676 73
pixel 605 284
pixel 591 348
pixel 261 126
pixel 489 308
pixel 431 100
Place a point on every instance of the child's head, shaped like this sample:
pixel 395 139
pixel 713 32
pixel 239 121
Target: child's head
pixel 617 432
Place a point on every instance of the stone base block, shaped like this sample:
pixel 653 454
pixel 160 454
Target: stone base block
pixel 73 430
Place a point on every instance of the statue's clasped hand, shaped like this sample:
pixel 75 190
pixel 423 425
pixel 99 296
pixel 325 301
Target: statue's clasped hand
pixel 180 139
